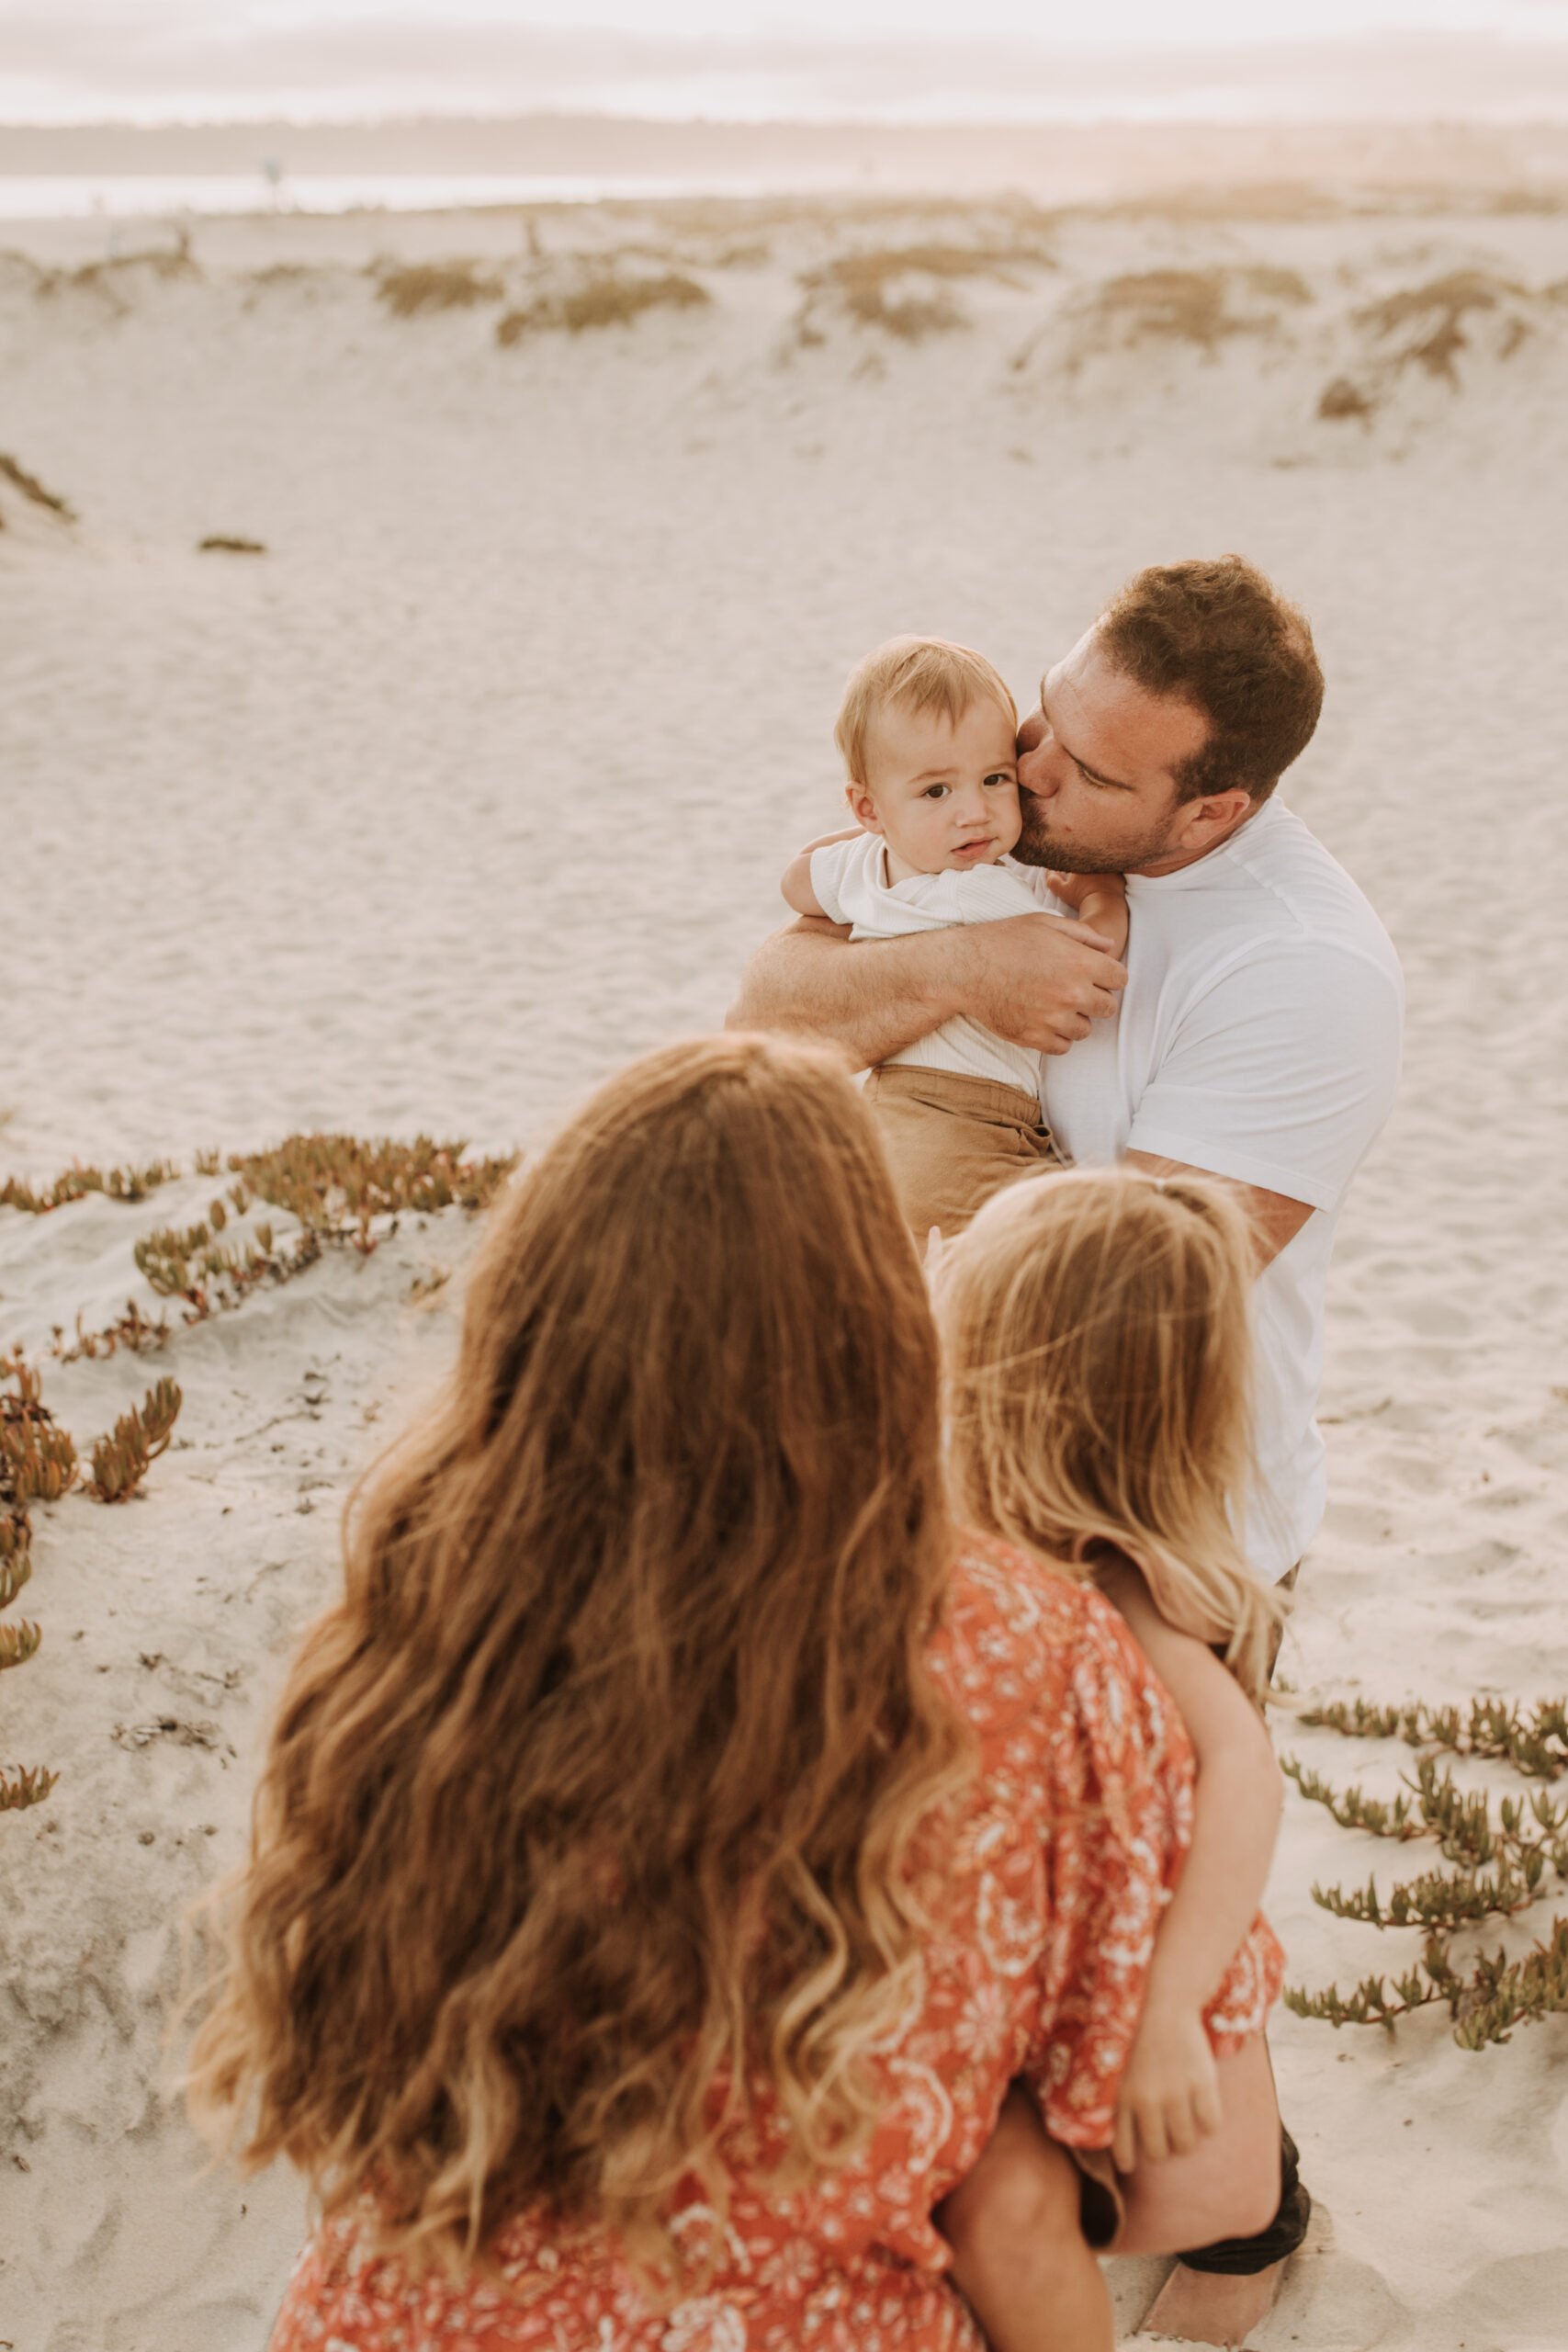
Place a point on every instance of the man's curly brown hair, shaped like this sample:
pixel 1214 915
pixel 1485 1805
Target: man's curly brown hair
pixel 1216 633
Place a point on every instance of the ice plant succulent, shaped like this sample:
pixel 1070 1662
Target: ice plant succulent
pixel 34 1457
pixel 118 1183
pixel 122 1460
pixel 1502 1865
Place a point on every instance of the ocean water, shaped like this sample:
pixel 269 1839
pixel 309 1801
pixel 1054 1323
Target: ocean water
pixel 58 196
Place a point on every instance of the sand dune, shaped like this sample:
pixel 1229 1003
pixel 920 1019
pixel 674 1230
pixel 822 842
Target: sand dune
pixel 479 779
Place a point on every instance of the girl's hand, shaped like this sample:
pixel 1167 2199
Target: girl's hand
pixel 1170 2096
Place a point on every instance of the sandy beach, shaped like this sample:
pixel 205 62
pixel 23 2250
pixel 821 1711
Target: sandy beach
pixel 478 779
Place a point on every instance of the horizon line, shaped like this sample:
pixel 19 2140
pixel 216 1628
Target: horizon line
pixel 1034 121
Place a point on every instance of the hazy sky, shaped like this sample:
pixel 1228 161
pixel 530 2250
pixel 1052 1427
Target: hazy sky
pixel 1165 23
pixel 62 60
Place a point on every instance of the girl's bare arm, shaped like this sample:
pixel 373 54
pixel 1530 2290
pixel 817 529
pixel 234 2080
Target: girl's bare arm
pixel 1169 2095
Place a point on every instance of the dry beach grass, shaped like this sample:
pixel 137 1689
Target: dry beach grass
pixel 483 781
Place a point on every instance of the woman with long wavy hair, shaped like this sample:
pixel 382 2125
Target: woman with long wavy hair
pixel 676 1837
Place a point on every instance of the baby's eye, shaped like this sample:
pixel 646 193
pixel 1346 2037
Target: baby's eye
pixel 993 783
pixel 936 792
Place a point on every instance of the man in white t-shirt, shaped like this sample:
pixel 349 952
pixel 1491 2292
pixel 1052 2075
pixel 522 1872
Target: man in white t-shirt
pixel 1258 1038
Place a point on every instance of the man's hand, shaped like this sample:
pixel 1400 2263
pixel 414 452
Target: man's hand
pixel 1036 980
pixel 1033 978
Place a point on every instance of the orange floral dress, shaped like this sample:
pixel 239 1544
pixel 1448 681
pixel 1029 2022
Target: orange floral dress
pixel 1065 1853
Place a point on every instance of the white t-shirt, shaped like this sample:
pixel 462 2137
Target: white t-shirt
pixel 1258 1038
pixel 848 880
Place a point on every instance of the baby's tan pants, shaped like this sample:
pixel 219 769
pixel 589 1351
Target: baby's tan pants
pixel 952 1141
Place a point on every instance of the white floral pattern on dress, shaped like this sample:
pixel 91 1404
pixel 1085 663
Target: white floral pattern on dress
pixel 1048 1881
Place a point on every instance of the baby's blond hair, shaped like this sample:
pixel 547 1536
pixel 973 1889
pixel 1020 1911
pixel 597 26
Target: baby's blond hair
pixel 917 674
pixel 1097 1337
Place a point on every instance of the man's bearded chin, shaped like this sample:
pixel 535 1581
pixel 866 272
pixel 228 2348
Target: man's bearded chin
pixel 1037 845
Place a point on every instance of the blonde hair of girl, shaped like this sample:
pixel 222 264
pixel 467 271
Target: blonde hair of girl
pixel 597 1789
pixel 1098 1377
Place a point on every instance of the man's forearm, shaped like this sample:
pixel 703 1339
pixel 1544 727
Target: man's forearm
pixel 1273 1218
pixel 873 1001
pixel 1037 980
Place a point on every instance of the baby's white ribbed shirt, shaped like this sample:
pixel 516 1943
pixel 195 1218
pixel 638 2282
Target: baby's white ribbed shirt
pixel 848 880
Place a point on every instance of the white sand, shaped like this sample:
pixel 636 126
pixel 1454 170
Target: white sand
pixel 481 780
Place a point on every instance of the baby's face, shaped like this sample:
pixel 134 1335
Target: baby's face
pixel 942 797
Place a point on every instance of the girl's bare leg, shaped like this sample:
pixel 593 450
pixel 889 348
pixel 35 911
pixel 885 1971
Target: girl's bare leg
pixel 1228 2187
pixel 1229 2184
pixel 1200 2307
pixel 1018 2251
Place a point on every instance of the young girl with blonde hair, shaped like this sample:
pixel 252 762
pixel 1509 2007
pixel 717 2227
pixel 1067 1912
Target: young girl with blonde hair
pixel 677 1834
pixel 1096 1331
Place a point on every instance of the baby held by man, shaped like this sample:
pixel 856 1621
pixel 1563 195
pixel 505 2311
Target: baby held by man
pixel 928 733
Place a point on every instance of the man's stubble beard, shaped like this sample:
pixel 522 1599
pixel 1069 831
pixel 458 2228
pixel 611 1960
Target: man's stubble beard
pixel 1037 845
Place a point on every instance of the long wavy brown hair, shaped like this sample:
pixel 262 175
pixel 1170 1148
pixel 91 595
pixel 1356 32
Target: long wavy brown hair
pixel 594 1795
pixel 1099 1367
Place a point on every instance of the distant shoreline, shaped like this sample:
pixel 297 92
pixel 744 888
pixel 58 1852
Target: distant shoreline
pixel 1048 162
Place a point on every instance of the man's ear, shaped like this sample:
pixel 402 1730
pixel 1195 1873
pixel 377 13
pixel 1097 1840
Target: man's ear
pixel 863 807
pixel 1204 822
